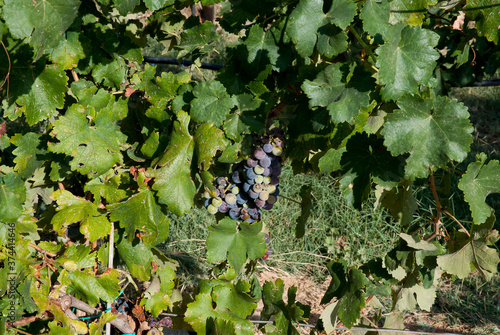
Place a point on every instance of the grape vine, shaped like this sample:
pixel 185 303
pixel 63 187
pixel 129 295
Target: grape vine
pixel 97 146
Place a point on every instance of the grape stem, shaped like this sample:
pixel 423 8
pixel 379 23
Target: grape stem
pixel 287 198
pixel 363 44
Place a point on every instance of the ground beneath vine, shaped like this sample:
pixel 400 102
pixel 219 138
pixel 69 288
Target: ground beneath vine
pixel 310 293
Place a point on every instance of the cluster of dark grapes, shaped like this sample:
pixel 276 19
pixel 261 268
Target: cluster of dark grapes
pixel 254 184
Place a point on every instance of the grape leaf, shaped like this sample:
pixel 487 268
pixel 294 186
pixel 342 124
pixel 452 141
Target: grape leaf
pixel 157 296
pixel 347 285
pixel 12 196
pixel 308 22
pixel 26 152
pixel 96 328
pixel 158 4
pixel 212 103
pixel 227 303
pixel 412 12
pixel 106 187
pixel 208 140
pixel 125 6
pixel 48 20
pixel 263 50
pixel 80 255
pixel 487 17
pixel 406 60
pixel 343 95
pixel 407 298
pixel 141 212
pixel 91 288
pixel 378 166
pixel 225 241
pixel 431 130
pixel 69 51
pixel 110 72
pixel 199 37
pixel 95 145
pixel 17 16
pixel 161 90
pixel 375 15
pixel 173 180
pixel 305 210
pixel 332 41
pixel 74 209
pixel 400 201
pixel 45 95
pixel 477 183
pixel 473 255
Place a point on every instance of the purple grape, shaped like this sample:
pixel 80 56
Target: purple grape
pixel 265 161
pixel 276 172
pixel 224 207
pixel 267 238
pixel 259 203
pixel 222 181
pixel 251 162
pixel 236 177
pixel 267 171
pixel 234 213
pixel 268 148
pixel 275 180
pixel 247 186
pixel 252 194
pixel 241 198
pixel 251 174
pixel 259 153
pixel 268 206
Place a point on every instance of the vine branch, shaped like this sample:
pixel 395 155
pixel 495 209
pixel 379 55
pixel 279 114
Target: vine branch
pixel 363 44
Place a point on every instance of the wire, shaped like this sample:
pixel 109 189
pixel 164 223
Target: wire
pixel 381 330
pixel 184 62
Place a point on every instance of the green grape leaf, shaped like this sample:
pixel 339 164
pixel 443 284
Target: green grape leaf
pixel 69 51
pixel 110 72
pixel 211 103
pixel 486 16
pixel 173 180
pixel 26 153
pixel 344 95
pixel 407 298
pixel 73 209
pixel 263 50
pixel 375 15
pixel 227 303
pixel 477 183
pixel 12 196
pixel 305 210
pixel 46 21
pixel 308 22
pixel 161 90
pixel 476 254
pixel 141 212
pixel 17 16
pixel 157 296
pixel 96 328
pixel 125 6
pixel 332 41
pixel 286 315
pixel 400 201
pixel 106 187
pixel 412 12
pixel 45 95
pixel 95 145
pixel 208 140
pixel 430 130
pixel 347 285
pixel 406 60
pixel 158 4
pixel 80 255
pixel 199 37
pixel 92 289
pixel 379 166
pixel 226 241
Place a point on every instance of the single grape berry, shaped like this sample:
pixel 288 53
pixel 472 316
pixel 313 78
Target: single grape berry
pixel 259 153
pixel 268 148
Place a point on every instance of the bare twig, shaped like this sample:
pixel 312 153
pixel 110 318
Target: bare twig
pixel 455 219
pixel 7 77
pixel 48 253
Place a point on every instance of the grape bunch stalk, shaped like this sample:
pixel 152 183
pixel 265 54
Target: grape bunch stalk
pixel 253 185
